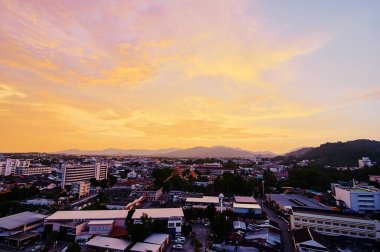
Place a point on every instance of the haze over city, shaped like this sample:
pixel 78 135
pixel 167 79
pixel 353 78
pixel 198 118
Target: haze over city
pixel 260 75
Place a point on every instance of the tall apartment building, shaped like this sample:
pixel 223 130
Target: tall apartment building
pixel 33 170
pixel 73 173
pixel 8 166
pixel 358 198
pixel 335 223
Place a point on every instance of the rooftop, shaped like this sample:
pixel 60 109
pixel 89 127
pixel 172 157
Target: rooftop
pixel 295 200
pixel 159 213
pixel 245 199
pixel 204 199
pixel 156 238
pixel 306 234
pixel 101 222
pixel 108 243
pixel 143 247
pixel 88 215
pixel 20 219
pixel 248 206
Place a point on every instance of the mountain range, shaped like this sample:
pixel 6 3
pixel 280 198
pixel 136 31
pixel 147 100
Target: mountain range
pixel 195 152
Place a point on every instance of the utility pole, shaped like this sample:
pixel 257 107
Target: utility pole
pixel 263 182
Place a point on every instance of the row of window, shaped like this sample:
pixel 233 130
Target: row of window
pixel 327 230
pixel 334 224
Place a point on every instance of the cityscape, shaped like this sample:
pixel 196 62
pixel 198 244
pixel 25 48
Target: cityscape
pixel 158 126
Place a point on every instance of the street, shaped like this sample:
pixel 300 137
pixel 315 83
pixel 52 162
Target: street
pixel 287 242
pixel 201 233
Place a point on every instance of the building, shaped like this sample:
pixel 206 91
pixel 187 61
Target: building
pixel 77 224
pixel 202 201
pixel 159 239
pixel 101 243
pixel 33 170
pixel 285 202
pixel 365 162
pixel 245 200
pixel 307 240
pixel 374 178
pixel 40 202
pixel 8 166
pixel 173 216
pixel 358 198
pixel 240 208
pixel 335 223
pixel 80 188
pixel 73 173
pixel 20 229
pixel 144 247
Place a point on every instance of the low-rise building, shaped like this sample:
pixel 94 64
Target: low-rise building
pixel 173 216
pixel 101 243
pixel 307 240
pixel 81 188
pixel 335 223
pixel 87 222
pixel 159 239
pixel 20 229
pixel 40 202
pixel 240 208
pixel 144 247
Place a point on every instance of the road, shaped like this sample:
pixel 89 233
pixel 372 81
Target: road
pixel 287 242
pixel 202 233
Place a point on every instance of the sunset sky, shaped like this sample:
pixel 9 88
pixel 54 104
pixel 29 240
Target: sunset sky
pixel 260 75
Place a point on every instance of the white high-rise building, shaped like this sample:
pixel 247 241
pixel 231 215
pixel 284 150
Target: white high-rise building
pixel 83 172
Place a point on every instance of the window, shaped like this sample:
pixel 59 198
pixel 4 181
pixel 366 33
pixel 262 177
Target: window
pixel 344 232
pixel 370 228
pixel 353 226
pixel 312 221
pixel 320 222
pixel 362 234
pixel 336 224
pixel 344 225
pixel 328 223
pixel 178 224
pixel 171 225
pixel 336 231
pixel 352 233
pixel 328 230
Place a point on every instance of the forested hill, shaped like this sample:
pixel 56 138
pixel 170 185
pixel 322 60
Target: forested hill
pixel 344 153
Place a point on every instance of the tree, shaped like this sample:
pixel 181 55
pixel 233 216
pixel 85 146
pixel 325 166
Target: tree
pixel 221 225
pixel 74 247
pixel 139 231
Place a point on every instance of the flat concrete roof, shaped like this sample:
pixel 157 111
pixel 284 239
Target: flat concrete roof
pixel 18 220
pixel 157 238
pixel 89 215
pixel 245 199
pixel 108 243
pixel 248 206
pixel 101 222
pixel 204 199
pixel 295 200
pixel 143 247
pixel 158 213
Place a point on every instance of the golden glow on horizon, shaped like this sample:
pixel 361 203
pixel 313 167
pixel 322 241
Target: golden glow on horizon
pixel 153 75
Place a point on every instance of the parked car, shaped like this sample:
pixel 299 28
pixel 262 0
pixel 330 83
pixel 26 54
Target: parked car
pixel 182 241
pixel 177 246
pixel 36 248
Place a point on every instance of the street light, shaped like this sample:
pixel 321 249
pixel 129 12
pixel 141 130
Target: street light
pixel 263 182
